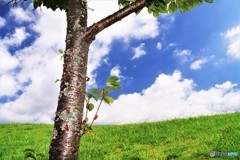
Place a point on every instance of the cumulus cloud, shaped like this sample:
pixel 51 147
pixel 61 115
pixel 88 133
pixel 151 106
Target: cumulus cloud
pixel 52 28
pixel 198 64
pixel 7 61
pixel 39 65
pixel 159 46
pixel 2 22
pixel 139 51
pixel 8 85
pixel 21 15
pixel 16 38
pixel 115 71
pixel 183 52
pixel 233 38
pixel 171 96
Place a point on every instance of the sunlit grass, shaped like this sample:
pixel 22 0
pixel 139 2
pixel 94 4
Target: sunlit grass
pixel 183 139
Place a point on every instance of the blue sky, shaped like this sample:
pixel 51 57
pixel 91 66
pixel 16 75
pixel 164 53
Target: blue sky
pixel 179 65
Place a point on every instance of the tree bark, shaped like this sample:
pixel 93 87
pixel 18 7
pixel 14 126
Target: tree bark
pixel 67 125
pixel 68 120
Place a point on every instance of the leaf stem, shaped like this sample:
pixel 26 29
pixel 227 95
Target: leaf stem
pixel 87 108
pixel 96 112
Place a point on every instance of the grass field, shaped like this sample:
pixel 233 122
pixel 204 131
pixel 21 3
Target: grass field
pixel 183 139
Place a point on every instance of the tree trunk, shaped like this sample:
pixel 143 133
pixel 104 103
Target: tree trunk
pixel 67 127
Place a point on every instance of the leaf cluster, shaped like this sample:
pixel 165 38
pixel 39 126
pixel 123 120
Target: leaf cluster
pixel 157 7
pixel 112 84
pixel 125 3
pixel 53 4
pixel 170 6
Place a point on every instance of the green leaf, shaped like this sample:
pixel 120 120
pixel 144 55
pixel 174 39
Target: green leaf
pixel 112 79
pixel 111 88
pixel 108 99
pixel 162 8
pixel 60 51
pixel 139 11
pixel 167 1
pixel 90 107
pixel 56 80
pixel 117 84
pixel 95 97
pixel 209 1
pixel 89 95
pixel 149 10
pixel 197 2
pixel 35 4
pixel 96 91
pixel 156 14
pixel 172 7
pixel 131 0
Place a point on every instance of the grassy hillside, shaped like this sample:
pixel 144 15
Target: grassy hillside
pixel 183 139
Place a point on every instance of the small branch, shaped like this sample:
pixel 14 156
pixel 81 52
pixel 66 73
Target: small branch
pixel 93 30
pixel 87 109
pixel 96 112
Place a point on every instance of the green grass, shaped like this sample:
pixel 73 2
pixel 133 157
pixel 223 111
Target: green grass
pixel 183 139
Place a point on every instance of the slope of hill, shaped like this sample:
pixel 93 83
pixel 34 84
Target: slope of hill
pixel 183 139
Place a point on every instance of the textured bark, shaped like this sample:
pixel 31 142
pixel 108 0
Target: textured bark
pixel 67 126
pixel 66 132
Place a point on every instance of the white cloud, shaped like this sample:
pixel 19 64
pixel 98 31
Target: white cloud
pixel 115 71
pixel 39 98
pixel 171 96
pixel 183 52
pixel 7 61
pixel 16 38
pixel 8 85
pixel 2 22
pixel 97 52
pixel 171 45
pixel 198 64
pixel 38 64
pixel 233 38
pixel 21 15
pixel 159 46
pixel 52 28
pixel 226 86
pixel 139 51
